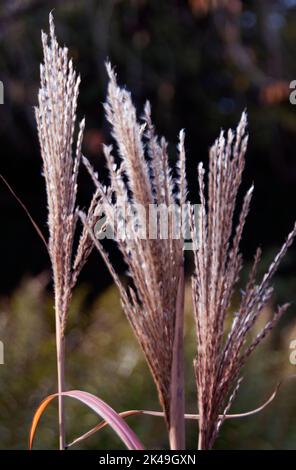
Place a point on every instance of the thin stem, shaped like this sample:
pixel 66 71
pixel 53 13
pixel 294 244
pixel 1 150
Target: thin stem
pixel 202 440
pixel 60 347
pixel 160 414
pixel 20 202
pixel 177 405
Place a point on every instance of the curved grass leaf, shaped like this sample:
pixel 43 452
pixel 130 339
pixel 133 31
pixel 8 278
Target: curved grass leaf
pixel 105 411
pixel 160 414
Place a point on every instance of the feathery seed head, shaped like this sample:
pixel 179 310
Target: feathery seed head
pixel 217 268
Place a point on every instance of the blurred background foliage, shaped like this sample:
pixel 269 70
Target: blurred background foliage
pixel 104 358
pixel 200 63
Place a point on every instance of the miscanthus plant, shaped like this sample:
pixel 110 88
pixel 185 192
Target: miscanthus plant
pixel 153 298
pixel 218 263
pixel 57 122
pixel 154 303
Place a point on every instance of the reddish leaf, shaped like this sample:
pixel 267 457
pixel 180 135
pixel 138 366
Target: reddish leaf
pixel 107 413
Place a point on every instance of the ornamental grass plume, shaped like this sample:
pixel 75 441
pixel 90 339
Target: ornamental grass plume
pixel 56 121
pixel 153 303
pixel 153 300
pixel 217 268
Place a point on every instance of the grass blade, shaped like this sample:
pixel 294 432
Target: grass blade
pixel 187 416
pixel 105 411
pixel 20 202
pixel 177 404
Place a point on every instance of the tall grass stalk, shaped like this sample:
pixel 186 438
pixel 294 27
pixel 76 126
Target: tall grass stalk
pixel 218 263
pixel 153 303
pixel 56 121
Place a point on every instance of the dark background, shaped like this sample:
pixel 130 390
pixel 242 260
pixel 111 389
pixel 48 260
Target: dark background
pixel 199 66
pixel 200 63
